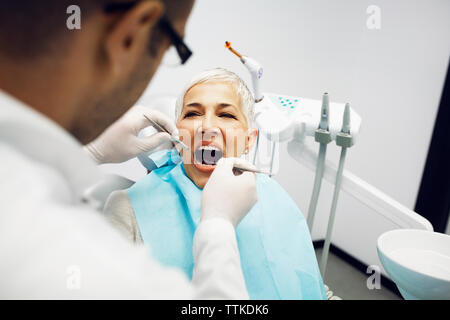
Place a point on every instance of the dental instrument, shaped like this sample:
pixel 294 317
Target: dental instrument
pixel 322 135
pixel 344 140
pixel 253 67
pixel 274 145
pixel 251 170
pixel 165 130
pixel 256 149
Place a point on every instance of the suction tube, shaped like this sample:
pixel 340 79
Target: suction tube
pixel 344 140
pixel 322 135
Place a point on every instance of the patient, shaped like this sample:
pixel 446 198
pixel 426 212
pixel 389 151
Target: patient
pixel 214 116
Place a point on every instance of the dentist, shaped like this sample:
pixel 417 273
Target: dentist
pixel 59 90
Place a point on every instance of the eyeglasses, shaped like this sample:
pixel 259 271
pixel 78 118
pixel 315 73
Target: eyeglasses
pixel 184 53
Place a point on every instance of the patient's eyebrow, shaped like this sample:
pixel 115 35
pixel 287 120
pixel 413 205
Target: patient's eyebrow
pixel 194 104
pixel 219 105
pixel 224 105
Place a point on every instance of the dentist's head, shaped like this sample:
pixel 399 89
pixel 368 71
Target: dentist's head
pixel 84 79
pixel 214 118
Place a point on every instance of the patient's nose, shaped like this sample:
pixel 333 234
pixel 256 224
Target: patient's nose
pixel 209 133
pixel 209 127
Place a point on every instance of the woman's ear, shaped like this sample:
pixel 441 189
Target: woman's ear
pixel 251 138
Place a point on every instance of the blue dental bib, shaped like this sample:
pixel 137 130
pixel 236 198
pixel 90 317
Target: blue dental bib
pixel 277 256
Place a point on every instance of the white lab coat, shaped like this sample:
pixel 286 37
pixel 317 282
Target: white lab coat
pixel 54 246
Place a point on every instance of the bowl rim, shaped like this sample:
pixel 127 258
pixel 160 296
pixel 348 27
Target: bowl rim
pixel 383 252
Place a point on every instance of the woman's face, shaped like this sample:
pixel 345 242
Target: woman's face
pixel 213 124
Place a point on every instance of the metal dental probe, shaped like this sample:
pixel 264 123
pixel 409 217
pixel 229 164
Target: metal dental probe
pixel 165 130
pixel 250 170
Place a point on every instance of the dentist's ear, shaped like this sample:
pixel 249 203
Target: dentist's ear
pixel 129 36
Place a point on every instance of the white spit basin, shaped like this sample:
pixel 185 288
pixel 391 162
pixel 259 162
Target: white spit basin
pixel 418 261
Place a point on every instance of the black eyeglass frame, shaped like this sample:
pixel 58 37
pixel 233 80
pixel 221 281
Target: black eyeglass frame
pixel 177 41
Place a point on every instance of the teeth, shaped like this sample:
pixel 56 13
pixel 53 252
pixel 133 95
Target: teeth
pixel 208 148
pixel 208 155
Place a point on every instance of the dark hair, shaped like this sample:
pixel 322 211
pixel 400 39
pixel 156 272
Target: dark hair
pixel 32 28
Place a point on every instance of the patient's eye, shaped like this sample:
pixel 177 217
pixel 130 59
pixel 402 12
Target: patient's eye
pixel 191 114
pixel 227 115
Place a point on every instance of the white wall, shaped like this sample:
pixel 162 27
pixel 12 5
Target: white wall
pixel 392 77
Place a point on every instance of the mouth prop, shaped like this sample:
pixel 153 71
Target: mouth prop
pixel 207 155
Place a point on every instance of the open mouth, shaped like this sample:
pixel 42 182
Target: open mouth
pixel 206 157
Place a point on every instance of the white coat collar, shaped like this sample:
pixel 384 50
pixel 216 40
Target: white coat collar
pixel 43 140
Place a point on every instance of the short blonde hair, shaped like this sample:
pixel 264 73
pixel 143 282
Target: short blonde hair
pixel 221 75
